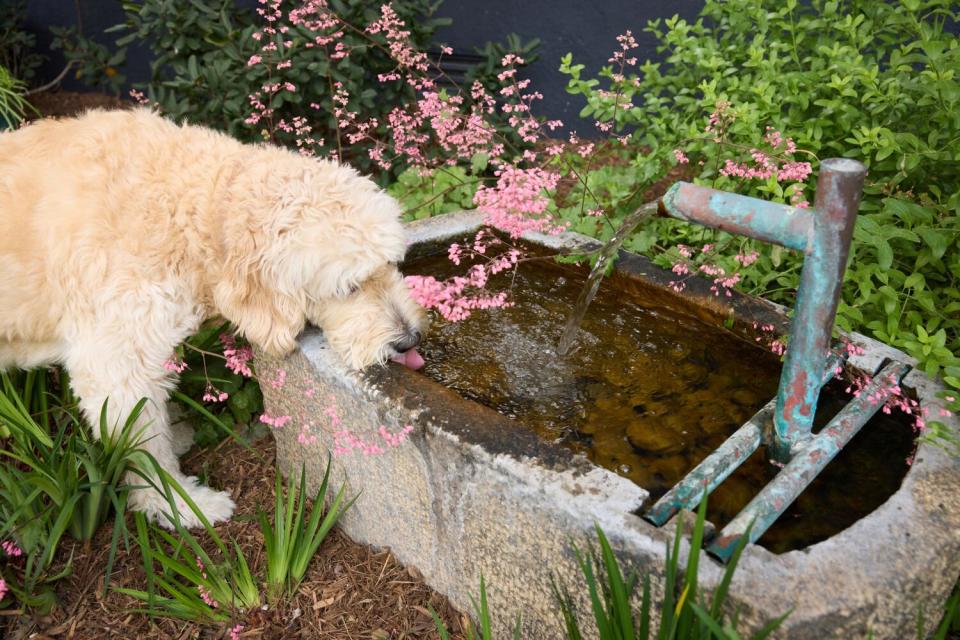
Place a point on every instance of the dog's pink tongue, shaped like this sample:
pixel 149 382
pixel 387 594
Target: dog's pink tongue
pixel 411 359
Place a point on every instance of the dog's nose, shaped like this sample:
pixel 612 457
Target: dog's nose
pixel 407 342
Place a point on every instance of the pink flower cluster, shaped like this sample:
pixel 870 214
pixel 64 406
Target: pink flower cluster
pixel 204 594
pixel 775 139
pixel 627 43
pixel 776 163
pixel 434 119
pixel 238 358
pixel 452 298
pixel 888 398
pixel 235 632
pixel 143 101
pixel 174 365
pixel 318 27
pixel 455 298
pixel 212 394
pixel 279 379
pixel 776 344
pixel 766 167
pixel 275 422
pixel 11 549
pixel 345 442
pixel 720 120
pixel 722 282
pixel 398 40
pixel 519 201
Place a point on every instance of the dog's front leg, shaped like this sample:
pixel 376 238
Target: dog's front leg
pixel 123 370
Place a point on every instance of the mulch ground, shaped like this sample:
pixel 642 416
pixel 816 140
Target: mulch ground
pixel 59 104
pixel 351 591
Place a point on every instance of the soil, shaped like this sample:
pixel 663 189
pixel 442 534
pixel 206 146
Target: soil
pixel 351 591
pixel 62 104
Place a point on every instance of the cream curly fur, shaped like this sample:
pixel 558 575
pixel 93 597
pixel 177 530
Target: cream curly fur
pixel 120 232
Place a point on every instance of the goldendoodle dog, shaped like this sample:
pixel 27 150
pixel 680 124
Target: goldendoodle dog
pixel 120 232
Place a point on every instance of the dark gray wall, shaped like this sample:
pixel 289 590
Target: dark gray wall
pixel 588 29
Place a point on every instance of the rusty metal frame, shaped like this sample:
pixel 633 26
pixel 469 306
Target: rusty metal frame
pixel 823 234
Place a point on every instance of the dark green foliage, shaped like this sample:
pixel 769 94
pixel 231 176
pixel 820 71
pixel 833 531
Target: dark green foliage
pixel 17 45
pixel 212 422
pixel 684 613
pixel 95 64
pixel 874 81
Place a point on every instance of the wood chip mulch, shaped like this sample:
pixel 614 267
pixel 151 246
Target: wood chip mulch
pixel 63 104
pixel 351 591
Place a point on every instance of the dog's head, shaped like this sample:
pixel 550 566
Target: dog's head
pixel 374 322
pixel 328 254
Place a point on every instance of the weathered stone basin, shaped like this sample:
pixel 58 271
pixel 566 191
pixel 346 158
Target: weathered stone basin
pixel 470 493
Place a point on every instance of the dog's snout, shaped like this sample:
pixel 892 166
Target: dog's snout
pixel 408 341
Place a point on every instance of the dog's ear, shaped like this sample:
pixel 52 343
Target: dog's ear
pixel 266 318
pixel 244 295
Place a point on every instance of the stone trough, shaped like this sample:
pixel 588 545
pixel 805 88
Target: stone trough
pixel 470 493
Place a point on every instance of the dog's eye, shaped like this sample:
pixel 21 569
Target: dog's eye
pixel 353 288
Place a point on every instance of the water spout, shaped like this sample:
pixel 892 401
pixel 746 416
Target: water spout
pixel 589 291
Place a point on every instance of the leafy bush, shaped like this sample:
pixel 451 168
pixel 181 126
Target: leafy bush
pixel 201 71
pixel 13 104
pixel 96 65
pixel 207 370
pixel 17 45
pixel 446 190
pixel 213 62
pixel 193 584
pixel 875 81
pixel 49 486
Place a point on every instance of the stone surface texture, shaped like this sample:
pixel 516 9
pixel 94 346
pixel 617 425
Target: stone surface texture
pixel 472 493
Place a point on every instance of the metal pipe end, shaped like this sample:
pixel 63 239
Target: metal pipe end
pixel 843 165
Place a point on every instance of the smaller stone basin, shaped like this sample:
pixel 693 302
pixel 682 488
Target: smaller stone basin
pixel 507 464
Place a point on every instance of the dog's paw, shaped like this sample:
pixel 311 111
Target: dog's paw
pixel 216 506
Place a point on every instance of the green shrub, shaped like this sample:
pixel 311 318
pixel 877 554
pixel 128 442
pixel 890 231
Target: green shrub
pixel 17 45
pixel 94 63
pixel 13 104
pixel 207 367
pixel 194 584
pixel 875 81
pixel 66 482
pixel 200 70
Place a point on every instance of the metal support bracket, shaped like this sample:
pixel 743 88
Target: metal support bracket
pixel 823 234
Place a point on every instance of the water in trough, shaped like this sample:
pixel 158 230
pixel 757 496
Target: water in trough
pixel 648 391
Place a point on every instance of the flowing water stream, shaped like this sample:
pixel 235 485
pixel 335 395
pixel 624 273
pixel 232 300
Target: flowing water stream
pixel 589 291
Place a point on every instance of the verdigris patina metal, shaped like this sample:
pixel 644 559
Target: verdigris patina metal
pixel 823 235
